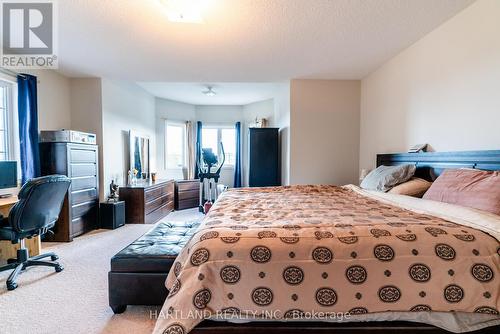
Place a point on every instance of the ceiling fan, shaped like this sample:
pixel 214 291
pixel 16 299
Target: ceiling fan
pixel 209 92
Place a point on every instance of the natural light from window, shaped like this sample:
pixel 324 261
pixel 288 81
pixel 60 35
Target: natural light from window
pixel 209 139
pixel 175 145
pixel 228 138
pixel 4 121
pixel 211 136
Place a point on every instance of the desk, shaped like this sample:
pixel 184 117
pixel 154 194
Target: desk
pixel 8 249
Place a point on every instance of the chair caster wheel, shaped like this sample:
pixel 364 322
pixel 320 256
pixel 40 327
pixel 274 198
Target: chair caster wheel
pixel 54 258
pixel 11 286
pixel 59 268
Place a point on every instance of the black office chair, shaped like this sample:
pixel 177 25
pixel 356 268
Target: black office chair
pixel 40 202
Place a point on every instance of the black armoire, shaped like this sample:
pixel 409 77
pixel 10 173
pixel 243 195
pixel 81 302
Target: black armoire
pixel 264 157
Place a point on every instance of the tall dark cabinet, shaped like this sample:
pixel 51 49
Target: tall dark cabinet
pixel 264 157
pixel 81 205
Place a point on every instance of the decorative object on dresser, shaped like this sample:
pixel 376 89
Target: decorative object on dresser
pixel 187 193
pixel 260 122
pixel 68 136
pixel 112 214
pixel 418 148
pixel 264 159
pixel 147 202
pixel 113 192
pixel 80 212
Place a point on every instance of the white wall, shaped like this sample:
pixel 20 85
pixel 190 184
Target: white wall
pixel 86 115
pixel 53 100
pixel 172 111
pixel 443 90
pixel 324 142
pixel 86 105
pixel 125 106
pixel 219 114
pixel 282 121
pixel 260 109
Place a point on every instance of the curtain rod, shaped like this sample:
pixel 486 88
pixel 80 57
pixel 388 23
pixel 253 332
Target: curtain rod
pixel 11 73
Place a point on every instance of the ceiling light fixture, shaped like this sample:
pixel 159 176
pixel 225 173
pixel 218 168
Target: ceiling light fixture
pixel 185 11
pixel 209 92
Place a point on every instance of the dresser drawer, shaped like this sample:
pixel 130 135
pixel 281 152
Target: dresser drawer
pixel 84 224
pixel 81 183
pixel 147 203
pixel 82 155
pixel 153 193
pixel 82 209
pixel 159 213
pixel 187 186
pixel 189 194
pixel 187 203
pixel 82 196
pixel 85 169
pixel 170 189
pixel 78 226
pixel 155 204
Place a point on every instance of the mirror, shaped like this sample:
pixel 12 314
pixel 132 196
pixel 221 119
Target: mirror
pixel 139 154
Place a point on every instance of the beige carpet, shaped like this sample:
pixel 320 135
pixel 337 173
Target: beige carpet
pixel 76 300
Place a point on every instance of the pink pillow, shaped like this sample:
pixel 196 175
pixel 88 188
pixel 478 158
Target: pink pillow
pixel 467 187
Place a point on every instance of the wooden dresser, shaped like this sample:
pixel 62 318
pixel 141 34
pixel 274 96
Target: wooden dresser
pixel 80 212
pixel 187 194
pixel 148 202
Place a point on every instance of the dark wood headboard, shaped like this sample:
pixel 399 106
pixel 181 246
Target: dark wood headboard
pixel 431 164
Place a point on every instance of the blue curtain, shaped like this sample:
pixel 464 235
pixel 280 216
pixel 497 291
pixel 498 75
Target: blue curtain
pixel 199 127
pixel 237 166
pixel 28 126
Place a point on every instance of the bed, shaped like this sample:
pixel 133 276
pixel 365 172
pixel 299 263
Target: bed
pixel 313 257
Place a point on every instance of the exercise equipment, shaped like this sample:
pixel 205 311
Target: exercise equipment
pixel 209 180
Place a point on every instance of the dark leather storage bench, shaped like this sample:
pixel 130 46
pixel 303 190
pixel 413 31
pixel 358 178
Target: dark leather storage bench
pixel 138 272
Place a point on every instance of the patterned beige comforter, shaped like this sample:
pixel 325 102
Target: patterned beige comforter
pixel 302 251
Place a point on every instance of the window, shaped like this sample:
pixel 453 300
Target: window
pixel 175 145
pixel 6 152
pixel 211 136
pixel 210 139
pixel 228 139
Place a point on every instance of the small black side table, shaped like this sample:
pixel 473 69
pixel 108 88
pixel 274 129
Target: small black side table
pixel 112 214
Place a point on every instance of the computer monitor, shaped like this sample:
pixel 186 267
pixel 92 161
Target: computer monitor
pixel 8 174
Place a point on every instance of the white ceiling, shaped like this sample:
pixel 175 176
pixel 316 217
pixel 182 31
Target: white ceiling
pixel 242 40
pixel 227 93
